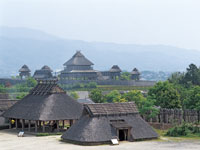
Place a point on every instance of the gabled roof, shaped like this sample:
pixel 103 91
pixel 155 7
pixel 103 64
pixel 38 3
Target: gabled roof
pixel 24 68
pixel 135 71
pixel 47 101
pixel 102 109
pixel 115 68
pixel 78 59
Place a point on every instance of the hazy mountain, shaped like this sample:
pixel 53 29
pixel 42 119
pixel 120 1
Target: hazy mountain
pixel 35 48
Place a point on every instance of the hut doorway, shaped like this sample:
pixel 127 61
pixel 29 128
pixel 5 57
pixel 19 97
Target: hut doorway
pixel 123 135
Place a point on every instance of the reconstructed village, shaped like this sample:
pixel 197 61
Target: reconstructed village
pixel 97 75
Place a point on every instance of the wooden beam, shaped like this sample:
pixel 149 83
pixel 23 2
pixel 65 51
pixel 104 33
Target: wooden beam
pixel 70 123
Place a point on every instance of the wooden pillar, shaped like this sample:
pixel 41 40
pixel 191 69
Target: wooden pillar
pixel 43 126
pixel 40 124
pixel 36 126
pixel 29 125
pixel 23 124
pixel 57 122
pixel 70 123
pixel 63 125
pixel 16 123
pixel 10 123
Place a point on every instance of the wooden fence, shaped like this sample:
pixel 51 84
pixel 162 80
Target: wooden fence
pixel 175 116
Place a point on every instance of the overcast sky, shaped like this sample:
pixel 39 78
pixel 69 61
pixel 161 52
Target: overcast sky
pixel 169 22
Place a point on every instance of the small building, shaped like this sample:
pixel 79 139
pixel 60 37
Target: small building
pixel 46 104
pixel 79 68
pixel 102 122
pixel 113 74
pixel 24 72
pixel 135 74
pixel 44 73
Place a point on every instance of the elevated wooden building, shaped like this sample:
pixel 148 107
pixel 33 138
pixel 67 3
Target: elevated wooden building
pixel 24 72
pixel 135 74
pixel 47 103
pixel 79 68
pixel 102 122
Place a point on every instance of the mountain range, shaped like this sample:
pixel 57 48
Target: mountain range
pixel 35 48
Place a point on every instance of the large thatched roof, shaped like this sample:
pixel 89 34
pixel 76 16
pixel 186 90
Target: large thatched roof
pixel 101 128
pixel 78 59
pixel 24 68
pixel 47 101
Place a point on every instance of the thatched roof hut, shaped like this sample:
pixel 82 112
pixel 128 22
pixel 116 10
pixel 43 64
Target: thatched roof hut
pixel 135 74
pixel 102 122
pixel 24 71
pixel 46 102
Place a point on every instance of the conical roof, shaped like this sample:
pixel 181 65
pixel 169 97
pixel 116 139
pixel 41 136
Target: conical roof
pixel 135 71
pixel 47 101
pixel 24 68
pixel 115 68
pixel 78 59
pixel 45 67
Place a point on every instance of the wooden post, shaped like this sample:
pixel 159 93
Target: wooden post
pixel 23 124
pixel 29 125
pixel 43 126
pixel 16 123
pixel 63 124
pixel 36 122
pixel 40 124
pixel 57 122
pixel 70 122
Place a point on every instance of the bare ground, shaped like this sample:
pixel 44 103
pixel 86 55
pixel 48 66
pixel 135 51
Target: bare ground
pixel 10 141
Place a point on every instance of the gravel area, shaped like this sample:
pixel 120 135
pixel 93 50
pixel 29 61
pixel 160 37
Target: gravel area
pixel 10 141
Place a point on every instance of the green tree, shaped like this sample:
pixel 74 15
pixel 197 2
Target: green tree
pixel 176 78
pixel 97 96
pixel 74 95
pixel 192 75
pixel 125 76
pixel 113 96
pixel 166 95
pixel 31 82
pixel 192 101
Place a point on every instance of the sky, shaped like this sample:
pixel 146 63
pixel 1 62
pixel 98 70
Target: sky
pixel 168 22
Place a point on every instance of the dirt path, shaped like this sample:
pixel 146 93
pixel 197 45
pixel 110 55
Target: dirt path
pixel 10 141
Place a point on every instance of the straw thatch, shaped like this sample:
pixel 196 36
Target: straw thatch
pixel 100 123
pixel 47 101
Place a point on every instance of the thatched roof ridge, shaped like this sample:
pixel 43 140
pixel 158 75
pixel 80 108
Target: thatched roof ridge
pixel 47 101
pixel 24 68
pixel 78 59
pixel 115 68
pixel 101 109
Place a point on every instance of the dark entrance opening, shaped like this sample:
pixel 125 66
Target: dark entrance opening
pixel 123 135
